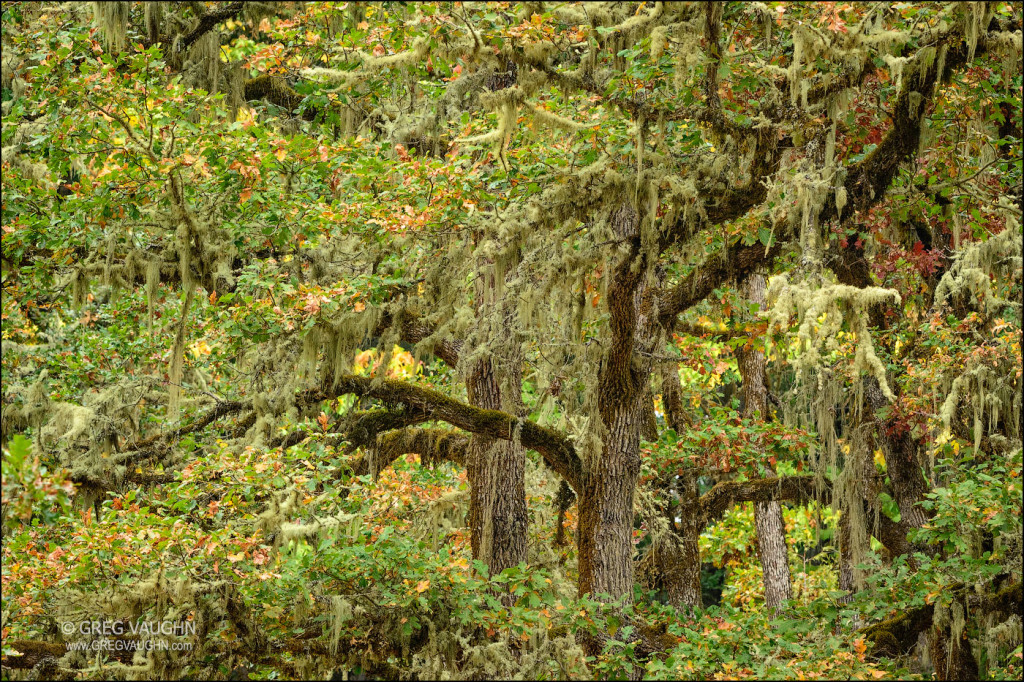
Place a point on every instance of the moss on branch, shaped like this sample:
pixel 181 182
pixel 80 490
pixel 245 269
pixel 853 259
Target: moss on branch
pixel 432 445
pixel 716 501
pixel 276 90
pixel 553 446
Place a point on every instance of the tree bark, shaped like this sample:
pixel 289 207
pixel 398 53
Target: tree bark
pixel 846 554
pixel 679 562
pixel 771 530
pixel 605 537
pixel 901 459
pixel 496 472
pixel 496 468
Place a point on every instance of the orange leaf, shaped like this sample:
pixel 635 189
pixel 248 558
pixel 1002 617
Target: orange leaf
pixel 423 586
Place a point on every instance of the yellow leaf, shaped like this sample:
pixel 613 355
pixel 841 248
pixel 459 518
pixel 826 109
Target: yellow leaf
pixel 422 585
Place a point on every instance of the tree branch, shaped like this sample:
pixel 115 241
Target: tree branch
pixel 554 447
pixel 738 263
pixel 715 502
pixel 432 445
pixel 206 24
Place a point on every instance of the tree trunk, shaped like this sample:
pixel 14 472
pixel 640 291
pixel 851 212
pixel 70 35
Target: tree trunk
pixel 679 563
pixel 605 536
pixel 771 530
pixel 682 578
pixel 901 461
pixel 846 575
pixel 950 651
pixel 496 468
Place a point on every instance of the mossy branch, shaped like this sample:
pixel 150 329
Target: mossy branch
pixel 414 331
pixel 738 263
pixel 432 445
pixel 867 181
pixel 221 409
pixel 715 502
pixel 206 23
pixel 898 635
pixel 276 90
pixel 553 446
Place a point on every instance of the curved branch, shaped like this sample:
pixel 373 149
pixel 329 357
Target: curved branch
pixel 738 263
pixel 554 447
pixel 276 90
pixel 898 635
pixel 206 24
pixel 715 502
pixel 414 331
pixel 432 445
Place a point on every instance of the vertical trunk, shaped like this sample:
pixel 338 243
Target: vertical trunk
pixel 680 565
pixel 949 649
pixel 565 499
pixel 771 531
pixel 496 472
pixel 682 579
pixel 606 510
pixel 605 537
pixel 846 577
pixel 672 398
pixel 498 518
pixel 899 447
pixel 650 425
pixel 771 549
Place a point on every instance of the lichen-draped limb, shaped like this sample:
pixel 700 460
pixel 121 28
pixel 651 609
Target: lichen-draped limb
pixel 867 181
pixel 554 447
pixel 432 445
pixel 899 634
pixel 738 263
pixel 276 90
pixel 207 22
pixel 221 409
pixel 715 502
pixel 413 330
pixel 362 428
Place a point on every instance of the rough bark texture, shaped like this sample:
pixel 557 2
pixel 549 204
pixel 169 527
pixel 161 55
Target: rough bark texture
pixel 672 398
pixel 679 561
pixel 605 537
pixel 901 460
pixel 771 530
pixel 684 585
pixel 554 447
pixel 846 576
pixel 496 468
pixel 951 654
pixel 899 634
pixel 496 472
